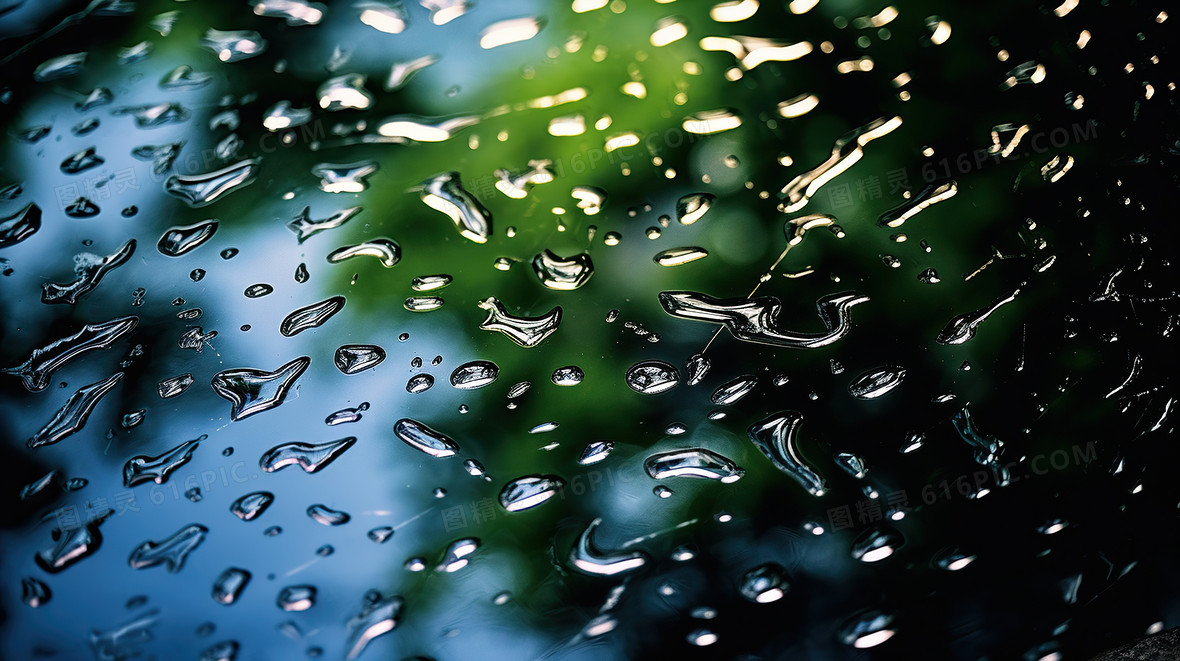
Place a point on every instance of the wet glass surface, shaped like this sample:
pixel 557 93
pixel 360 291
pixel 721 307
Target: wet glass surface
pixel 820 330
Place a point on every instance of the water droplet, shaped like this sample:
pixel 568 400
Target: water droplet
pixel 327 516
pixel 679 256
pixel 756 320
pixel 963 327
pixel 732 391
pixel 229 585
pixel 310 457
pixel 36 371
pixel 561 273
pixel 430 282
pixel 423 303
pixel 951 559
pixel 354 358
pixel 765 583
pixel 852 464
pixel 876 382
pixel 510 31
pixel 381 535
pixel 134 418
pixel 456 555
pixel 345 92
pixel 81 161
pixel 423 438
pixel 525 331
pixel 170 552
pixel 72 416
pixel 570 375
pixel 697 462
pixel 529 491
pixel 419 383
pixel 61 66
pixel 475 374
pixel 444 192
pixel 311 316
pixel 305 227
pixel 184 78
pixel 20 225
pixel 876 544
pixel 205 189
pixel 252 505
pixel 344 177
pixel 143 468
pixel 258 290
pixel 295 598
pixel 596 452
pixel 72 545
pixel 691 208
pixel 378 617
pixel 588 559
pixel 385 250
pixel 34 593
pixel 253 391
pixel 777 437
pixel 178 241
pixel 651 377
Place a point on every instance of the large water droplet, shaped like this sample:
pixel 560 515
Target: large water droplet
pixel 867 629
pixel 327 516
pixel 143 468
pixel 563 274
pixel 455 557
pixel 294 598
pixel 388 252
pixel 652 377
pixel 344 177
pixel 876 382
pixel 38 368
pixel 732 391
pixel 308 456
pixel 525 331
pixel 90 269
pixel 305 227
pixel 475 374
pixel 444 192
pixel 354 358
pixel 423 438
pixel 311 316
pixel 170 552
pixel 20 225
pixel 254 391
pixel 777 437
pixel 679 256
pixel 756 320
pixel 586 558
pixel 204 189
pixel 73 414
pixel 963 327
pixel 377 618
pixel 876 544
pixel 252 505
pixel 765 583
pixel 229 585
pixel 178 241
pixel 233 45
pixel 529 491
pixel 691 208
pixel 419 383
pixel 696 462
pixel 570 375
